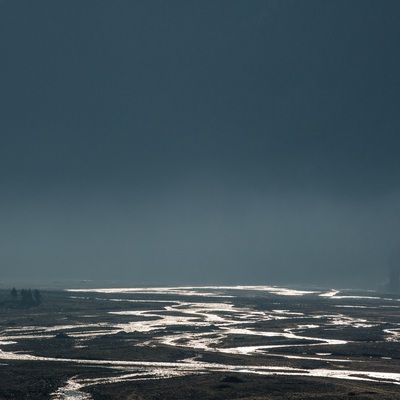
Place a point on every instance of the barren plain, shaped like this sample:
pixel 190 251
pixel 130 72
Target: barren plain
pixel 248 342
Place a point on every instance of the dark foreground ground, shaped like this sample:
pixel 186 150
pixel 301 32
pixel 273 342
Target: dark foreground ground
pixel 21 380
pixel 368 350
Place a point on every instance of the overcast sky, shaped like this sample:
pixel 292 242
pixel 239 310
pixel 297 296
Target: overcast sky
pixel 200 141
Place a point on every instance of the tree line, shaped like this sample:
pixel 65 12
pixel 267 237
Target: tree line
pixel 26 297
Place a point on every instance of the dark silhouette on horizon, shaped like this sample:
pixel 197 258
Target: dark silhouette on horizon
pixel 394 273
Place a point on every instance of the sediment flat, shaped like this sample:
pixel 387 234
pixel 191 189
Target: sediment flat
pixel 201 343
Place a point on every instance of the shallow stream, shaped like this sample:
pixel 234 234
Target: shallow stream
pixel 220 320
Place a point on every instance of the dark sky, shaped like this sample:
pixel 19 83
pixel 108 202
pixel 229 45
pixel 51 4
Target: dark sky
pixel 200 141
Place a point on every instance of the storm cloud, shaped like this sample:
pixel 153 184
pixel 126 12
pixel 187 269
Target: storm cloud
pixel 224 141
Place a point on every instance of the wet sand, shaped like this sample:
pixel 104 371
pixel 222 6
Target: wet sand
pixel 201 343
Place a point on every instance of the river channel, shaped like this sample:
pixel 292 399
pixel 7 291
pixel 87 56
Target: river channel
pixel 264 330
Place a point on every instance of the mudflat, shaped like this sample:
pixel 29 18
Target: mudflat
pixel 201 343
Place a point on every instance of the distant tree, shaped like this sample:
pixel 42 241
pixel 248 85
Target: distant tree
pixel 14 293
pixel 37 296
pixel 394 271
pixel 27 298
pixel 394 283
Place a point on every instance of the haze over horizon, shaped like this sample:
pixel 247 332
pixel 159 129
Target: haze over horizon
pixel 199 142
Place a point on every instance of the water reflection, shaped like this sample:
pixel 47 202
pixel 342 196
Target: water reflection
pixel 71 391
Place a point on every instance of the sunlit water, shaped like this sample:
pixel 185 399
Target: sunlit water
pixel 205 324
